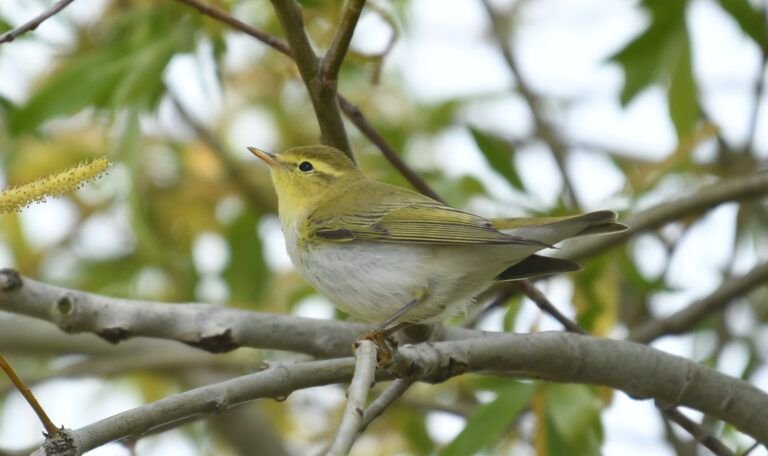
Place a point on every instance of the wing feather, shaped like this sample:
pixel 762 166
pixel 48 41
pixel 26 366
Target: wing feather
pixel 386 213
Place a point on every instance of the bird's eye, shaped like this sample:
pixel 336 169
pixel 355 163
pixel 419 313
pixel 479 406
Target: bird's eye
pixel 305 167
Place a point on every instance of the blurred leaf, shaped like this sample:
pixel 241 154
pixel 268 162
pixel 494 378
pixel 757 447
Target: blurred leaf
pixel 415 431
pixel 124 73
pixel 499 154
pixel 569 420
pixel 489 421
pixel 596 296
pixel 662 54
pixel 514 304
pixel 247 273
pixel 750 19
pixel 682 98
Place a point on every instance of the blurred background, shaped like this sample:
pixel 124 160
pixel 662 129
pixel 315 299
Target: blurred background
pixel 552 107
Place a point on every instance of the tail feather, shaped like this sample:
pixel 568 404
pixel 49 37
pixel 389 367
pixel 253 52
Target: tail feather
pixel 552 230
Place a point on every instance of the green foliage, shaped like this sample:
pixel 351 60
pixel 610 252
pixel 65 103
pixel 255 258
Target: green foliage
pixel 570 417
pixel 749 19
pixel 662 54
pixel 499 154
pixel 490 421
pixel 122 71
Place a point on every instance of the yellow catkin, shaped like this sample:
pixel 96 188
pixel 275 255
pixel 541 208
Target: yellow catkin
pixel 15 198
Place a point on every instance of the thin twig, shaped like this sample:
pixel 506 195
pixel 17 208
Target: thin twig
pixel 544 129
pixel 751 449
pixel 356 116
pixel 385 400
pixel 362 380
pixel 700 309
pixel 543 303
pixel 697 432
pixel 50 428
pixel 352 112
pixel 324 97
pixel 759 86
pixel 233 169
pixel 222 16
pixel 35 22
pixel 334 56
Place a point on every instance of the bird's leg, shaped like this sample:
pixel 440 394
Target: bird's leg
pixel 380 333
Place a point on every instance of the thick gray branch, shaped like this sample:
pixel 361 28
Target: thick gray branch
pixel 205 326
pixel 638 370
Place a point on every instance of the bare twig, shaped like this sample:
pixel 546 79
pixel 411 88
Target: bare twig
pixel 544 129
pixel 224 17
pixel 331 61
pixel 686 318
pixel 50 428
pixel 385 400
pixel 352 112
pixel 357 397
pixel 323 96
pixel 356 116
pixel 543 303
pixel 35 22
pixel 699 433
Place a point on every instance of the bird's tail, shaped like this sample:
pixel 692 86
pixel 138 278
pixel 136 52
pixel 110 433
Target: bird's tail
pixel 551 230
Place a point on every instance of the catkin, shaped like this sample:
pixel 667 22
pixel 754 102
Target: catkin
pixel 15 198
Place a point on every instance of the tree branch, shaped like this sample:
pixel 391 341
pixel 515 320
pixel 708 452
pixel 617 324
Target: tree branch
pixel 385 400
pixel 708 197
pixel 543 128
pixel 212 328
pixel 352 112
pixel 332 132
pixel 223 17
pixel 563 357
pixel 692 314
pixel 357 397
pixel 35 22
pixel 278 382
pixel 693 428
pixel 334 56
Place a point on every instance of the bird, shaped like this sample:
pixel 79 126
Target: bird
pixel 393 257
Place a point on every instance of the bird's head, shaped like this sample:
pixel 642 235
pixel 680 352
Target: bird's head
pixel 303 176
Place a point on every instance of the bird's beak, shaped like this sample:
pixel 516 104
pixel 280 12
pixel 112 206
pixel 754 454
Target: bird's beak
pixel 267 157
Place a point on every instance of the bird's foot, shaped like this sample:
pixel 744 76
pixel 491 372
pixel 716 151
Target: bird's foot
pixel 386 345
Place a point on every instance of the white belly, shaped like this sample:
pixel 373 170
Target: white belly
pixel 372 280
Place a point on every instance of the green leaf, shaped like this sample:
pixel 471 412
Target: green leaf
pixel 123 71
pixel 572 420
pixel 247 272
pixel 662 55
pixel 749 19
pixel 489 421
pixel 682 96
pixel 499 154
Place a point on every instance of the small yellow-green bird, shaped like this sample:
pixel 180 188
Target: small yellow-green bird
pixel 391 256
